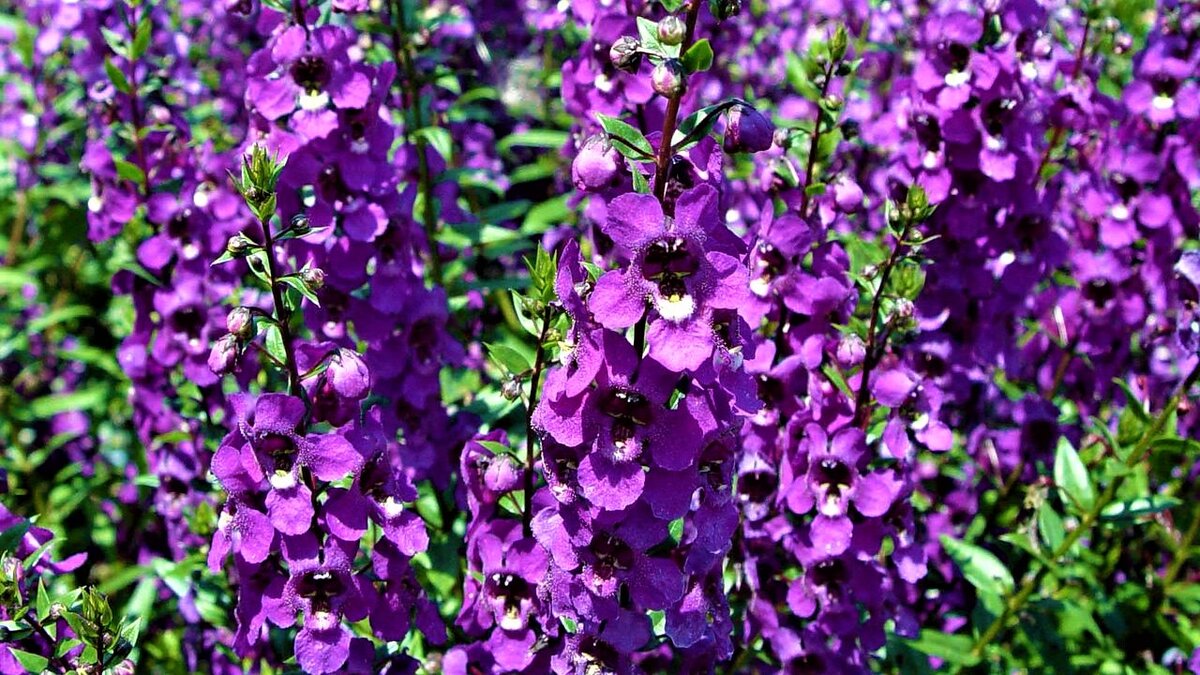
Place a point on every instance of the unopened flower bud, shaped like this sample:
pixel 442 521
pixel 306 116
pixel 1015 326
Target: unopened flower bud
pixel 301 224
pixel 904 310
pixel 668 78
pixel 1111 24
pixel 671 30
pixel 224 355
pixel 596 165
pixel 724 9
pixel 238 244
pixel 833 102
pixel 1122 43
pixel 240 322
pixel 348 375
pixel 747 130
pixel 314 278
pixel 625 54
pixel 851 351
pixel 511 389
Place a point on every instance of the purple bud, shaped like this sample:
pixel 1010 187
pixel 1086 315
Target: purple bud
pixel 668 78
pixel 240 322
pixel 511 389
pixel 348 375
pixel 747 130
pixel 850 351
pixel 625 54
pixel 224 355
pixel 596 165
pixel 314 278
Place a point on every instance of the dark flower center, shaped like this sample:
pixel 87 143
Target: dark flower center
pixel 320 587
pixel 829 573
pixel 612 555
pixel 510 588
pixel 628 406
pixel 996 114
pixel 601 656
pixel 311 72
pixel 280 449
pixel 771 262
pixel 757 486
pixel 929 131
pixel 177 227
pixel 957 56
pixel 188 320
pixel 1100 292
pixel 832 475
pixel 669 257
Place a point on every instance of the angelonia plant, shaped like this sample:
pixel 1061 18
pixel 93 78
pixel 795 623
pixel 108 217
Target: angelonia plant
pixel 587 337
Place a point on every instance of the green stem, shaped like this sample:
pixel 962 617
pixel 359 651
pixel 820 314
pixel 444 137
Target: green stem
pixel 875 351
pixel 281 315
pixel 539 363
pixel 411 90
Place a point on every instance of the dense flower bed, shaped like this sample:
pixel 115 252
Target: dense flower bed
pixel 599 336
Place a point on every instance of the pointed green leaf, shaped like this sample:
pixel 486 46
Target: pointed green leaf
pixel 699 57
pixel 626 139
pixel 32 663
pixel 1071 477
pixel 979 566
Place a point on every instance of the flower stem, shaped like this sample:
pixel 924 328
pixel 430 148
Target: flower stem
pixel 662 161
pixel 875 351
pixel 814 142
pixel 1057 134
pixel 411 91
pixel 1089 518
pixel 539 363
pixel 282 315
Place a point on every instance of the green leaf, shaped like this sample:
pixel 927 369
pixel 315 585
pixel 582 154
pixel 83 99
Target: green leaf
pixel 626 139
pixel 42 602
pixel 508 358
pixel 118 78
pixel 641 184
pixel 298 284
pixel 141 40
pixel 543 216
pixel 1050 527
pixel 84 399
pixel 10 538
pixel 496 448
pixel 1071 477
pixel 979 566
pixel 129 171
pixel 439 138
pixel 274 344
pixel 699 57
pixel 946 646
pixel 648 36
pixel 534 138
pixel 696 126
pixel 58 316
pixel 33 663
pixel 1142 506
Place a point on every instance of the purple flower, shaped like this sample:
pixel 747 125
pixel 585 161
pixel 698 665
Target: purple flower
pixel 683 265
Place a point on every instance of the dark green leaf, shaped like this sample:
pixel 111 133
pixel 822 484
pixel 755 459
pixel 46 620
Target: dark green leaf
pixel 117 77
pixel 1133 508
